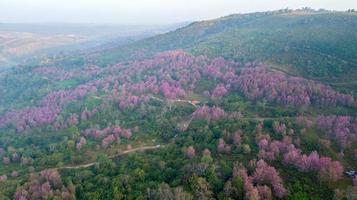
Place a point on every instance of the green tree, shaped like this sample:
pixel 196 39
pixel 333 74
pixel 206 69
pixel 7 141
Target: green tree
pixel 200 188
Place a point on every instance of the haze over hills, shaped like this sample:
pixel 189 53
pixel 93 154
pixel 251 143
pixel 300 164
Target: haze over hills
pixel 248 106
pixel 21 42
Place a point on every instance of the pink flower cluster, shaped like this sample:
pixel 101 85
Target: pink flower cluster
pixel 263 175
pixel 81 143
pixel 267 174
pixel 219 91
pixel 279 127
pixel 131 101
pixel 326 168
pixel 223 147
pixel 190 152
pixel 343 129
pixel 258 83
pixel 86 114
pixel 207 113
pixel 109 134
pixel 304 121
pixel 46 184
pixel 48 110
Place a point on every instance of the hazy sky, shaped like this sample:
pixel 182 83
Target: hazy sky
pixel 146 11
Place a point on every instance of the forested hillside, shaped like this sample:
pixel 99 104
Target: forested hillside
pixel 233 108
pixel 314 44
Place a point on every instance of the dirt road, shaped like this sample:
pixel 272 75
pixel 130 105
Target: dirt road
pixel 143 148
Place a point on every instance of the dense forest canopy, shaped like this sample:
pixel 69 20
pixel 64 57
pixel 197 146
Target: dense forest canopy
pixel 249 106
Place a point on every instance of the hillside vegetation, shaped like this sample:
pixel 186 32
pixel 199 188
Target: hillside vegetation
pixel 315 44
pixel 142 121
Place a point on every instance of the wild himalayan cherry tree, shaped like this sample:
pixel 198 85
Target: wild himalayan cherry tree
pixel 265 174
pixel 6 160
pixel 81 143
pixel 46 184
pixel 207 113
pixel 251 192
pixel 108 135
pixel 265 192
pixel 206 152
pixel 108 140
pixel 86 114
pixel 190 152
pixel 219 91
pixel 14 174
pixel 48 110
pixel 326 169
pixel 343 129
pixel 258 83
pixel 221 145
pixel 279 128
pixel 237 138
pixel 117 131
pixel 304 121
pixel 3 178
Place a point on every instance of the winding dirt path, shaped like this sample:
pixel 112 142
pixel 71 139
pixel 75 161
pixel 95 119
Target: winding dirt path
pixel 143 148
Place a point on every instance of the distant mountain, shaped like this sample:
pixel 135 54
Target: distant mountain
pixel 316 44
pixel 19 42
